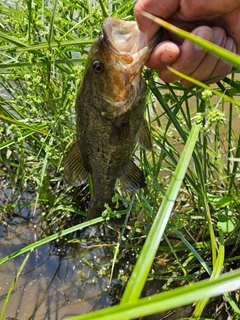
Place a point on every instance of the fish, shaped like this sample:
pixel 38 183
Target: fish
pixel 110 107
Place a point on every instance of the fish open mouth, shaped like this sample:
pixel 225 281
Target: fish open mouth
pixel 123 55
pixel 123 40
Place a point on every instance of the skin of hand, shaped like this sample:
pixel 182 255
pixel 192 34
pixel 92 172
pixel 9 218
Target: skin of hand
pixel 217 21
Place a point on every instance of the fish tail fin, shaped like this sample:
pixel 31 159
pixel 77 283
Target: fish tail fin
pixel 75 172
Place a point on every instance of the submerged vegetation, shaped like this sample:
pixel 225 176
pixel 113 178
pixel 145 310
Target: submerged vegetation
pixel 185 224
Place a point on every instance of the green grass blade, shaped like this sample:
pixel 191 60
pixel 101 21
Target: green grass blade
pixel 215 274
pixel 12 286
pixel 50 35
pixel 168 300
pixel 204 86
pixel 207 45
pixel 11 39
pixel 46 45
pixel 196 254
pixel 143 265
pixel 24 125
pixel 10 142
pixel 104 9
pixel 50 238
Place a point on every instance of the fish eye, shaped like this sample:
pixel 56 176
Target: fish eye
pixel 97 66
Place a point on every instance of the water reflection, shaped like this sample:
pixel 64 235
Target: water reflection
pixel 59 279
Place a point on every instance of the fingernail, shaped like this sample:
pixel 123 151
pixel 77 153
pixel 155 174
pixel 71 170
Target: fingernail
pixel 166 56
pixel 204 34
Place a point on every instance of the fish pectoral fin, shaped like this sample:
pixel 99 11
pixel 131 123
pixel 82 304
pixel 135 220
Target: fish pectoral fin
pixel 133 177
pixel 74 170
pixel 144 136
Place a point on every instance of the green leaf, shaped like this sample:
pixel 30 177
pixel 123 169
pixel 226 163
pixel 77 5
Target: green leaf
pixel 227 223
pixel 219 202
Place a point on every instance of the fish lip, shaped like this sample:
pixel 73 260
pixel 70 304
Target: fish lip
pixel 114 28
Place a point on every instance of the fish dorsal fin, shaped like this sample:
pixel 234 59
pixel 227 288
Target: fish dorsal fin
pixel 144 137
pixel 74 170
pixel 133 177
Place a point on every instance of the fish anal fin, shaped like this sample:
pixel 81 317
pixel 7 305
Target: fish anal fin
pixel 74 171
pixel 144 136
pixel 133 177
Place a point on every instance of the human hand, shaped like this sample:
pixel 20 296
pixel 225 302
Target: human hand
pixel 217 21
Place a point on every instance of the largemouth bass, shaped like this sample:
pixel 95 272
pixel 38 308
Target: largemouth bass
pixel 110 108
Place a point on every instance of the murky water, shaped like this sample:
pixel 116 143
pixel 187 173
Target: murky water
pixel 59 279
pixel 54 285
